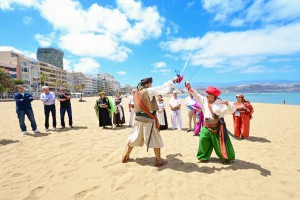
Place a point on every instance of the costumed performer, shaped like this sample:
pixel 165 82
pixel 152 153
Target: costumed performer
pixel 161 113
pixel 199 118
pixel 213 134
pixel 104 109
pixel 146 126
pixel 242 116
pixel 119 116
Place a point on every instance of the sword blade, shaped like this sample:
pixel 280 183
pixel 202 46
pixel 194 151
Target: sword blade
pixel 186 62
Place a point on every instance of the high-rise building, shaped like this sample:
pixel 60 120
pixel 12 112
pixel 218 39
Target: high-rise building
pixel 51 56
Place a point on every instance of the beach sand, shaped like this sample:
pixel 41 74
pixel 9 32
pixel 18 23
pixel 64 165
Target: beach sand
pixel 85 162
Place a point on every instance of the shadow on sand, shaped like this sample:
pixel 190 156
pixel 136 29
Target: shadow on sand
pixel 176 164
pixel 71 129
pixel 250 138
pixel 5 142
pixel 38 134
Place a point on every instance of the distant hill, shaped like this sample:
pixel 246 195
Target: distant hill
pixel 252 86
pixel 287 87
pixel 236 83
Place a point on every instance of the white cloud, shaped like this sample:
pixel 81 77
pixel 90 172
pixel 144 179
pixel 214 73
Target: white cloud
pixel 9 48
pixel 93 45
pixel 237 23
pixel 282 10
pixel 100 31
pixel 163 71
pixel 190 4
pixel 45 40
pixel 150 27
pixel 223 8
pixel 237 12
pixel 181 44
pixel 121 72
pixel 67 65
pixel 27 20
pixel 247 48
pixel 87 65
pixel 8 4
pixel 159 64
pixel 256 70
pixel 26 53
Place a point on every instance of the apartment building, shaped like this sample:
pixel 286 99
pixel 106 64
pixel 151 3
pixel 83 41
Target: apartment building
pixel 90 85
pixel 55 75
pixel 11 69
pixel 108 83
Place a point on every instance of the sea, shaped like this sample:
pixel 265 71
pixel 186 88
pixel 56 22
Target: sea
pixel 270 98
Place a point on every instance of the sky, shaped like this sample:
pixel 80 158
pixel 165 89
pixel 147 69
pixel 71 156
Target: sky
pixel 205 40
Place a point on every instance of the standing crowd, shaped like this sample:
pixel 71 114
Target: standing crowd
pixel 205 116
pixel 23 106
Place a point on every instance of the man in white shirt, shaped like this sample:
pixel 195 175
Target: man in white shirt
pixel 131 107
pixel 176 118
pixel 189 102
pixel 48 98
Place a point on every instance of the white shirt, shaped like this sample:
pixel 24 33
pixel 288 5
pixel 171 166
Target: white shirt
pixel 174 102
pixel 131 101
pixel 164 89
pixel 217 107
pixel 161 105
pixel 189 102
pixel 48 99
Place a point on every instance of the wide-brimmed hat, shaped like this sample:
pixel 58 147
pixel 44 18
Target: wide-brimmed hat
pixel 147 80
pixel 102 93
pixel 212 90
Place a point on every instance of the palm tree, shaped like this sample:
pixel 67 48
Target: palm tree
pixel 6 81
pixel 57 84
pixel 68 87
pixel 43 78
pixel 19 82
pixel 82 86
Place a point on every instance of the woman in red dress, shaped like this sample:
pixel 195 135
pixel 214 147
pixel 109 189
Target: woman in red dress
pixel 242 116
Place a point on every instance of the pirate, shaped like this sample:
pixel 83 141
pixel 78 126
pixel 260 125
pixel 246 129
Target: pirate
pixel 213 134
pixel 146 126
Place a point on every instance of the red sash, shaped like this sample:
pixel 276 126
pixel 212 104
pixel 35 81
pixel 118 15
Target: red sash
pixel 145 109
pixel 221 134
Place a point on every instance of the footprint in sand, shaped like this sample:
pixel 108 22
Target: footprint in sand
pixel 17 174
pixel 33 195
pixel 82 194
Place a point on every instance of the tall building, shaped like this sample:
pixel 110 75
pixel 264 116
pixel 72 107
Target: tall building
pixel 51 56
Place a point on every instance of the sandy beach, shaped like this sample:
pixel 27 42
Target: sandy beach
pixel 85 162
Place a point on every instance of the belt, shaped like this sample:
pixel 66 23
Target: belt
pixel 142 114
pixel 210 124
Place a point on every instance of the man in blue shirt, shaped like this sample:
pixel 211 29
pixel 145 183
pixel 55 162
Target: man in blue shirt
pixel 23 102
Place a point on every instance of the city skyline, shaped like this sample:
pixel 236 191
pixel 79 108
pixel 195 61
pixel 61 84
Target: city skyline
pixel 219 41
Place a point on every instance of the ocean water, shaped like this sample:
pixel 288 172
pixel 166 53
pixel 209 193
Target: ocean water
pixel 272 98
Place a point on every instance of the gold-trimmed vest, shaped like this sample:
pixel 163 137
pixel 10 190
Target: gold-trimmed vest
pixel 151 105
